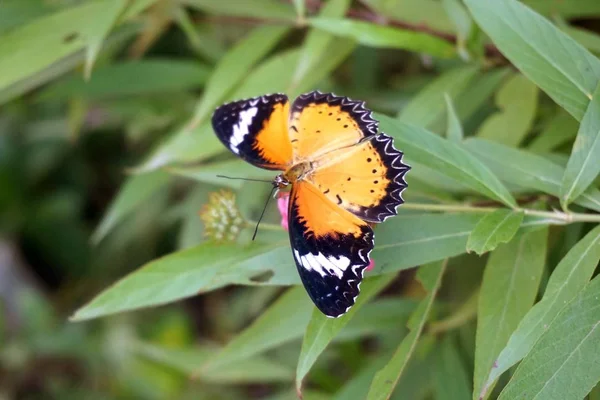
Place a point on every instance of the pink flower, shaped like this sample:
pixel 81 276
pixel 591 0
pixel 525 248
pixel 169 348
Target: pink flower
pixel 283 200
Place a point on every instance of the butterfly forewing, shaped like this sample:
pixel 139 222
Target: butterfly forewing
pixel 322 122
pixel 256 130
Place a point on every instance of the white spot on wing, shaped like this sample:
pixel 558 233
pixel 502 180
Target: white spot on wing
pixel 241 129
pixel 323 265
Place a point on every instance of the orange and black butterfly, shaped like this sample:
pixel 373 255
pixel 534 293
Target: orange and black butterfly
pixel 344 176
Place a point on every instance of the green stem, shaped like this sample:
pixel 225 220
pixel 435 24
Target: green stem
pixel 563 217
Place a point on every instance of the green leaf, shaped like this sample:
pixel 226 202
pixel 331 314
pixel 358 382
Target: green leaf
pixel 208 173
pixel 130 78
pixel 567 9
pixel 316 44
pixel 450 377
pixel 568 279
pixel 445 157
pixel 286 319
pixel 526 169
pixel 584 163
pixel 563 363
pixel 560 129
pixel 251 370
pixel 428 13
pixel 373 35
pixel 101 25
pixel 454 128
pixel 428 106
pixel 587 39
pixel 132 194
pixel 462 21
pixel 176 276
pixel 510 283
pixel 493 229
pixel 559 65
pixel 262 9
pixel 322 330
pixel 234 66
pixel 386 379
pixel 32 52
pixel 517 104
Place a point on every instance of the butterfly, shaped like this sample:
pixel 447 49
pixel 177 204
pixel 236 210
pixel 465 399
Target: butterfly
pixel 344 176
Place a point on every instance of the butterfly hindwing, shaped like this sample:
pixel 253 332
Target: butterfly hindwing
pixel 330 246
pixel 366 179
pixel 256 130
pixel 322 122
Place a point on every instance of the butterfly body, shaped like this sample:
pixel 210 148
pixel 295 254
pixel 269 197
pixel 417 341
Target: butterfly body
pixel 344 176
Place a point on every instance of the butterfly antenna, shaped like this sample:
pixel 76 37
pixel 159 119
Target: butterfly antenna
pixel 244 179
pixel 263 212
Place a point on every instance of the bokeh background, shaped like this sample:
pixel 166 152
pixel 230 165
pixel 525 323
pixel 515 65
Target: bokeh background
pixel 108 162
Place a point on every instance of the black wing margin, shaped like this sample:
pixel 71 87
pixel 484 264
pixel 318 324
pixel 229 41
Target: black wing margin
pixel 330 266
pixel 256 130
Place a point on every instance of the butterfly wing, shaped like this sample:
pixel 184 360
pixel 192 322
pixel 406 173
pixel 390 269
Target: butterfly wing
pixel 366 179
pixel 331 248
pixel 322 122
pixel 256 130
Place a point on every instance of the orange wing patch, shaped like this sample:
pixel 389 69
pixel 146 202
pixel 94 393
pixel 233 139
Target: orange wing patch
pixel 366 179
pixel 320 123
pixel 271 142
pixel 319 216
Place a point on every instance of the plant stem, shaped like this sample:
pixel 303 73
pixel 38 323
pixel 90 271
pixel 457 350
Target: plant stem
pixel 559 216
pixel 265 226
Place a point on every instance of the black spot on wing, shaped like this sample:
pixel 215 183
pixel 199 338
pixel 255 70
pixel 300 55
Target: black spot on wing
pixel 355 108
pixel 332 295
pixel 395 172
pixel 226 117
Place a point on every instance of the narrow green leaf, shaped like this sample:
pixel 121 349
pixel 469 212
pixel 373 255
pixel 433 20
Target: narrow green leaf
pixel 173 277
pixel 462 21
pixel 476 94
pixel 209 173
pixel 493 229
pixel 563 363
pixel 102 23
pixel 428 106
pixel 517 104
pixel 446 157
pixel 386 379
pixel 428 13
pixel 559 65
pixel 450 377
pixel 568 279
pixel 526 169
pixel 509 287
pixel 316 43
pixel 284 320
pixel 234 66
pixel 300 7
pixel 132 194
pixel 263 9
pixel 567 9
pixel 584 163
pixel 560 129
pixel 454 130
pixel 322 330
pixel 255 369
pixel 373 35
pixel 132 78
pixel 587 39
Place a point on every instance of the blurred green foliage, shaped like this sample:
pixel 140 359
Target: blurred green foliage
pixel 108 161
